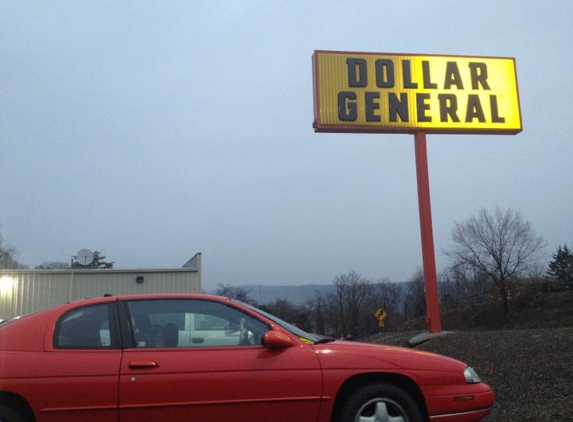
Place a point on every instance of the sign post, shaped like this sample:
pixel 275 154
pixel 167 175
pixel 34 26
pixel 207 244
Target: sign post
pixel 428 256
pixel 416 94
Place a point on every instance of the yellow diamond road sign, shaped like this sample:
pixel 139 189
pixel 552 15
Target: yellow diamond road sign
pixel 380 314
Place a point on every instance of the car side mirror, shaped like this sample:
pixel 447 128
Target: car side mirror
pixel 277 340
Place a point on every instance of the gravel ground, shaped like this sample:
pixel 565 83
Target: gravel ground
pixel 530 371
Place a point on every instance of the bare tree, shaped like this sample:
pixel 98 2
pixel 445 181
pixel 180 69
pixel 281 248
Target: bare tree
pixel 53 265
pixel 388 296
pixel 462 284
pixel 235 292
pixel 317 307
pixel 500 244
pixel 348 310
pixel 7 257
pixel 347 303
pixel 415 298
pixel 299 316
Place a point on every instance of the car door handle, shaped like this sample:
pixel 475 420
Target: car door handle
pixel 143 364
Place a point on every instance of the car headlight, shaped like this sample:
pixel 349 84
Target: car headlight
pixel 471 375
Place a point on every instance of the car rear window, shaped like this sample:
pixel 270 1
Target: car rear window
pixel 88 327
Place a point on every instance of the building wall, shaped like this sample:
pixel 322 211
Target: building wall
pixel 26 291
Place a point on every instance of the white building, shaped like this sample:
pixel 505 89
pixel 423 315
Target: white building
pixel 26 291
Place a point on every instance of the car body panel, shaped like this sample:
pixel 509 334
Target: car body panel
pixel 456 398
pixel 65 385
pixel 243 384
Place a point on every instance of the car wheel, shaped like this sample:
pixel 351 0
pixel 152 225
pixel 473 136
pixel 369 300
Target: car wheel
pixel 380 403
pixel 8 415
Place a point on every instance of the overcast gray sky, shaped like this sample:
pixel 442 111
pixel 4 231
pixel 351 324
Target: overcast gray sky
pixel 150 131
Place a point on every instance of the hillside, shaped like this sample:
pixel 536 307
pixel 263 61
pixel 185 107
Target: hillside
pixel 530 310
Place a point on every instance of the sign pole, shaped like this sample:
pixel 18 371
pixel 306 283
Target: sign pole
pixel 428 256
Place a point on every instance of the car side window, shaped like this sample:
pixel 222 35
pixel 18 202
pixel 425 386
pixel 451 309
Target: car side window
pixel 192 323
pixel 88 327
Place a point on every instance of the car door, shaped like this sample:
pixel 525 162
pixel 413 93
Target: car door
pixel 76 378
pixel 213 367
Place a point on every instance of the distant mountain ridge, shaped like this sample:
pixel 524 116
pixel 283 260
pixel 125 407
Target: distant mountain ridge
pixel 297 295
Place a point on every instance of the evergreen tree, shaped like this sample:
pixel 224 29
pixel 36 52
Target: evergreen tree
pixel 561 265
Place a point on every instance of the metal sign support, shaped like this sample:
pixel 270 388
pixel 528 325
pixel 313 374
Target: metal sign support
pixel 428 255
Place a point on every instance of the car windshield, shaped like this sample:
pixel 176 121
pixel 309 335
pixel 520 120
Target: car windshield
pixel 303 335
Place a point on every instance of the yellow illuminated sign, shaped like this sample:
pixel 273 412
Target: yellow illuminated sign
pixel 368 92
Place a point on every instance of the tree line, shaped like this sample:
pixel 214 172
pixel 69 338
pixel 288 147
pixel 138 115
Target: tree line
pixel 490 252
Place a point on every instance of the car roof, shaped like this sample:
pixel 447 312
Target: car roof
pixel 148 296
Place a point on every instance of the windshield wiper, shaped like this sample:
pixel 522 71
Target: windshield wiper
pixel 324 340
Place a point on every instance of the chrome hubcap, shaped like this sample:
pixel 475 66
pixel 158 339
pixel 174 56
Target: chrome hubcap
pixel 381 410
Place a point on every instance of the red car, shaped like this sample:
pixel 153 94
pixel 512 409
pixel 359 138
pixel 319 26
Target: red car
pixel 206 358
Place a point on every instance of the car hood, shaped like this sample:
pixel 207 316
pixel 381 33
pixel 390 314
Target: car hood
pixel 342 355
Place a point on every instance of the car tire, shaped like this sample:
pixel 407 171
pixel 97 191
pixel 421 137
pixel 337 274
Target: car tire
pixel 9 415
pixel 381 403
